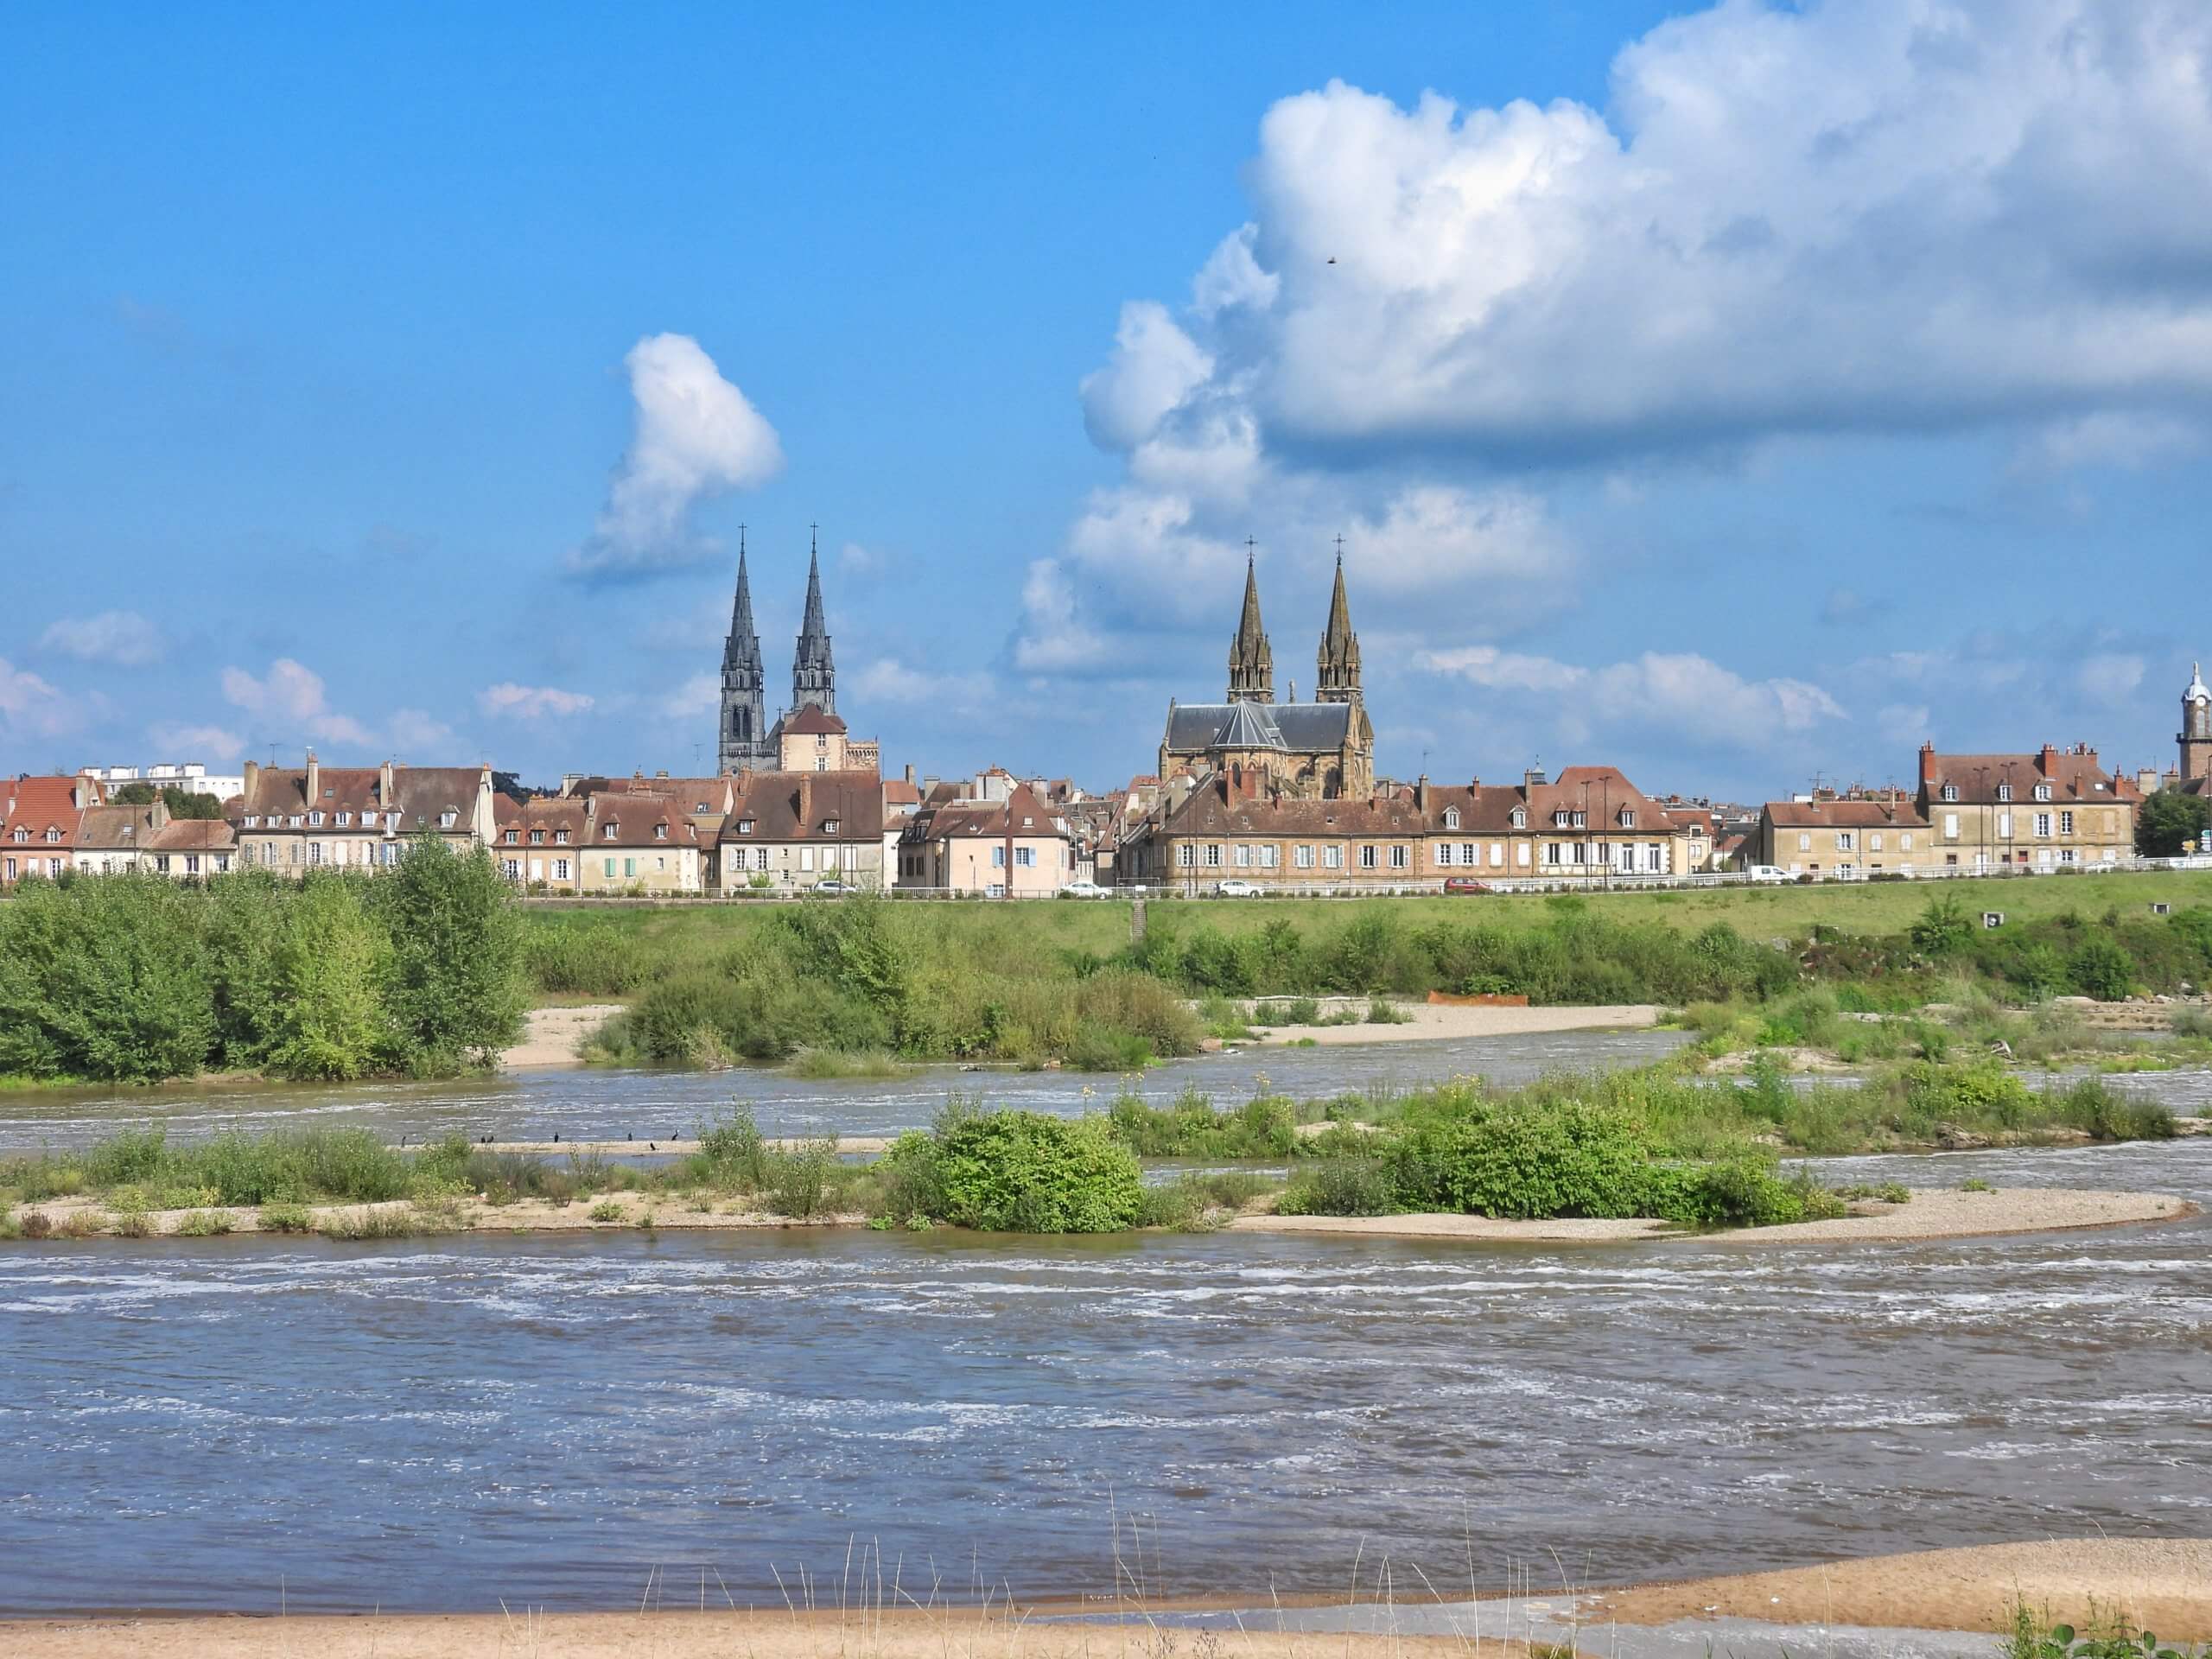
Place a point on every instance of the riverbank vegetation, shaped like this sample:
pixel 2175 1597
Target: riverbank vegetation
pixel 1652 1142
pixel 136 978
pixel 1050 984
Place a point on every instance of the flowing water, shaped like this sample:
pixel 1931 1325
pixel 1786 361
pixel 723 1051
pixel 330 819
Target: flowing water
pixel 444 1423
pixel 588 1104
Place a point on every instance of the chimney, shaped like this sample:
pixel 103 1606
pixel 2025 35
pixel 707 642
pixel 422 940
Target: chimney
pixel 314 780
pixel 252 777
pixel 1420 793
pixel 1926 766
pixel 910 772
pixel 2047 761
pixel 1534 777
pixel 384 787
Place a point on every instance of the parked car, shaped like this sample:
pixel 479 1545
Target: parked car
pixel 1465 884
pixel 1083 888
pixel 829 888
pixel 1237 887
pixel 1767 873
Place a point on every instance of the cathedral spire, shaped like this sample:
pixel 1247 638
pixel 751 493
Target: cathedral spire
pixel 1251 661
pixel 741 743
pixel 814 674
pixel 1340 654
pixel 744 643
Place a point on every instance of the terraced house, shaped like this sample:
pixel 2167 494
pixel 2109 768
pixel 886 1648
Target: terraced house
pixel 38 828
pixel 643 845
pixel 1845 837
pixel 791 831
pixel 1589 824
pixel 296 819
pixel 541 843
pixel 1232 825
pixel 2053 809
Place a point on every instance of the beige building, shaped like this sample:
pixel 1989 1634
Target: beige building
pixel 295 819
pixel 997 842
pixel 1229 826
pixel 540 844
pixel 643 846
pixel 791 831
pixel 1589 824
pixel 814 740
pixel 2055 810
pixel 109 838
pixel 190 849
pixel 1845 839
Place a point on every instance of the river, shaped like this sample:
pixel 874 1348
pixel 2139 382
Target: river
pixel 245 1423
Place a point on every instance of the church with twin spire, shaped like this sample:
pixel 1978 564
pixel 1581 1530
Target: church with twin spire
pixel 1321 750
pixel 747 740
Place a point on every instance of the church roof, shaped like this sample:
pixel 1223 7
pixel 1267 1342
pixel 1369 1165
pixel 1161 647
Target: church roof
pixel 1306 728
pixel 1248 728
pixel 2197 692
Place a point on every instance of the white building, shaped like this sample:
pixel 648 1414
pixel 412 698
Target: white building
pixel 188 775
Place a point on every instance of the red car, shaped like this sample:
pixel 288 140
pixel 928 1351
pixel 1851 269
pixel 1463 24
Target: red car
pixel 1465 884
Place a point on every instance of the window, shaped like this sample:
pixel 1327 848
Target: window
pixel 1026 857
pixel 2004 791
pixel 660 863
pixel 1846 841
pixel 1243 856
pixel 1520 817
pixel 510 837
pixel 2066 823
pixel 1654 858
pixel 1367 859
pixel 1905 840
pixel 830 827
pixel 537 837
pixel 629 866
pixel 1443 853
pixel 1950 823
pixel 609 833
pixel 2043 824
pixel 806 857
pixel 2043 791
pixel 390 852
pixel 296 820
pixel 192 863
pixel 998 857
pixel 1185 855
pixel 1552 854
pixel 829 858
pixel 344 820
pixel 1628 817
pixel 610 867
pixel 660 832
pixel 1267 857
pixel 759 857
pixel 315 820
pixel 1497 854
pixel 1332 858
pixel 1451 817
pixel 560 870
pixel 1398 858
pixel 1301 858
pixel 560 837
pixel 445 820
pixel 252 821
pixel 1951 791
pixel 1804 843
pixel 1874 841
pixel 511 868
pixel 1579 820
pixel 314 852
pixel 1521 855
pixel 1213 854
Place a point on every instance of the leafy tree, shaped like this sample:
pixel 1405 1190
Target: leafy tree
pixel 2099 968
pixel 1942 928
pixel 327 1018
pixel 185 804
pixel 132 795
pixel 103 979
pixel 454 983
pixel 2169 824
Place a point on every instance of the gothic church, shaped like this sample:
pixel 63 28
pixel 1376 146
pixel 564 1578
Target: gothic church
pixel 747 742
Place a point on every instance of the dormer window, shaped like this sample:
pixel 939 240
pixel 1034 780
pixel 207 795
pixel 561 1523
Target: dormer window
pixel 2043 791
pixel 252 821
pixel 510 837
pixel 344 820
pixel 1451 817
pixel 294 821
pixel 829 826
pixel 391 820
pixel 744 826
pixel 21 834
pixel 1951 791
pixel 609 833
pixel 445 820
pixel 315 820
pixel 2004 791
pixel 1628 817
pixel 560 837
pixel 52 834
pixel 1520 817
pixel 537 837
pixel 660 832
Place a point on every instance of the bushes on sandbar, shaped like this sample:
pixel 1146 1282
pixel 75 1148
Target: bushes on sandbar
pixel 1013 1171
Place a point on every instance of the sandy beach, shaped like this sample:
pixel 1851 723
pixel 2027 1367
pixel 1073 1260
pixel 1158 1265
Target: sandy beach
pixel 1932 1213
pixel 555 1036
pixel 1424 1022
pixel 2162 1583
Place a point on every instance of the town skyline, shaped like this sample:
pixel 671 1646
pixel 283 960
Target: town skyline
pixel 457 477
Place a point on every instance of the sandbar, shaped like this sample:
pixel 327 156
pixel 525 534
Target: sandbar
pixel 1424 1022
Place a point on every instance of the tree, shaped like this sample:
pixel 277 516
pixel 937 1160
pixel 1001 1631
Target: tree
pixel 453 982
pixel 181 802
pixel 2169 824
pixel 328 970
pixel 103 979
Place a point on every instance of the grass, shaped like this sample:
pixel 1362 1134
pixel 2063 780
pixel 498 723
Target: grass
pixel 827 1064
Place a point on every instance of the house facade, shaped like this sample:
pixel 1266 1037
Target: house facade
pixel 2055 810
pixel 1590 824
pixel 295 819
pixel 1012 847
pixel 1232 826
pixel 1845 838
pixel 541 843
pixel 791 831
pixel 38 828
pixel 642 846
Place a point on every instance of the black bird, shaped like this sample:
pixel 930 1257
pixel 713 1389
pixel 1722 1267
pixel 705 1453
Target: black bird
pixel 653 1145
pixel 626 1136
pixel 556 1137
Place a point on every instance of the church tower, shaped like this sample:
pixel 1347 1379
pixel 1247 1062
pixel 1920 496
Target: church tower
pixel 1338 681
pixel 813 677
pixel 2196 736
pixel 743 743
pixel 1251 662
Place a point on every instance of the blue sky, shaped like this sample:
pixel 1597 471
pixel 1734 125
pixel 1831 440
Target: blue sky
pixel 1734 395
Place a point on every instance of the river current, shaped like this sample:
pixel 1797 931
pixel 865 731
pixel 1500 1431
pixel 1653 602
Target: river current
pixel 443 1423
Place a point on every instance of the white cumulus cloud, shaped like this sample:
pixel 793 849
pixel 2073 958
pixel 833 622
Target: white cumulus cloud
pixel 700 695
pixel 31 707
pixel 291 691
pixel 1677 691
pixel 531 701
pixel 696 436
pixel 122 639
pixel 188 742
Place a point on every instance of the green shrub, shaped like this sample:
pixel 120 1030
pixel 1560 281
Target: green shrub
pixel 1015 1172
pixel 2095 1108
pixel 2099 968
pixel 287 1219
pixel 1265 1126
pixel 204 1223
pixel 1342 1186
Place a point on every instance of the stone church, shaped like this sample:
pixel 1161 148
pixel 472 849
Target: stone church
pixel 747 740
pixel 1322 750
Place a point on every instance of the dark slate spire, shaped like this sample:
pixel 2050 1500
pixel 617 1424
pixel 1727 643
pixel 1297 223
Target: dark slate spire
pixel 1339 653
pixel 741 744
pixel 1251 662
pixel 814 675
